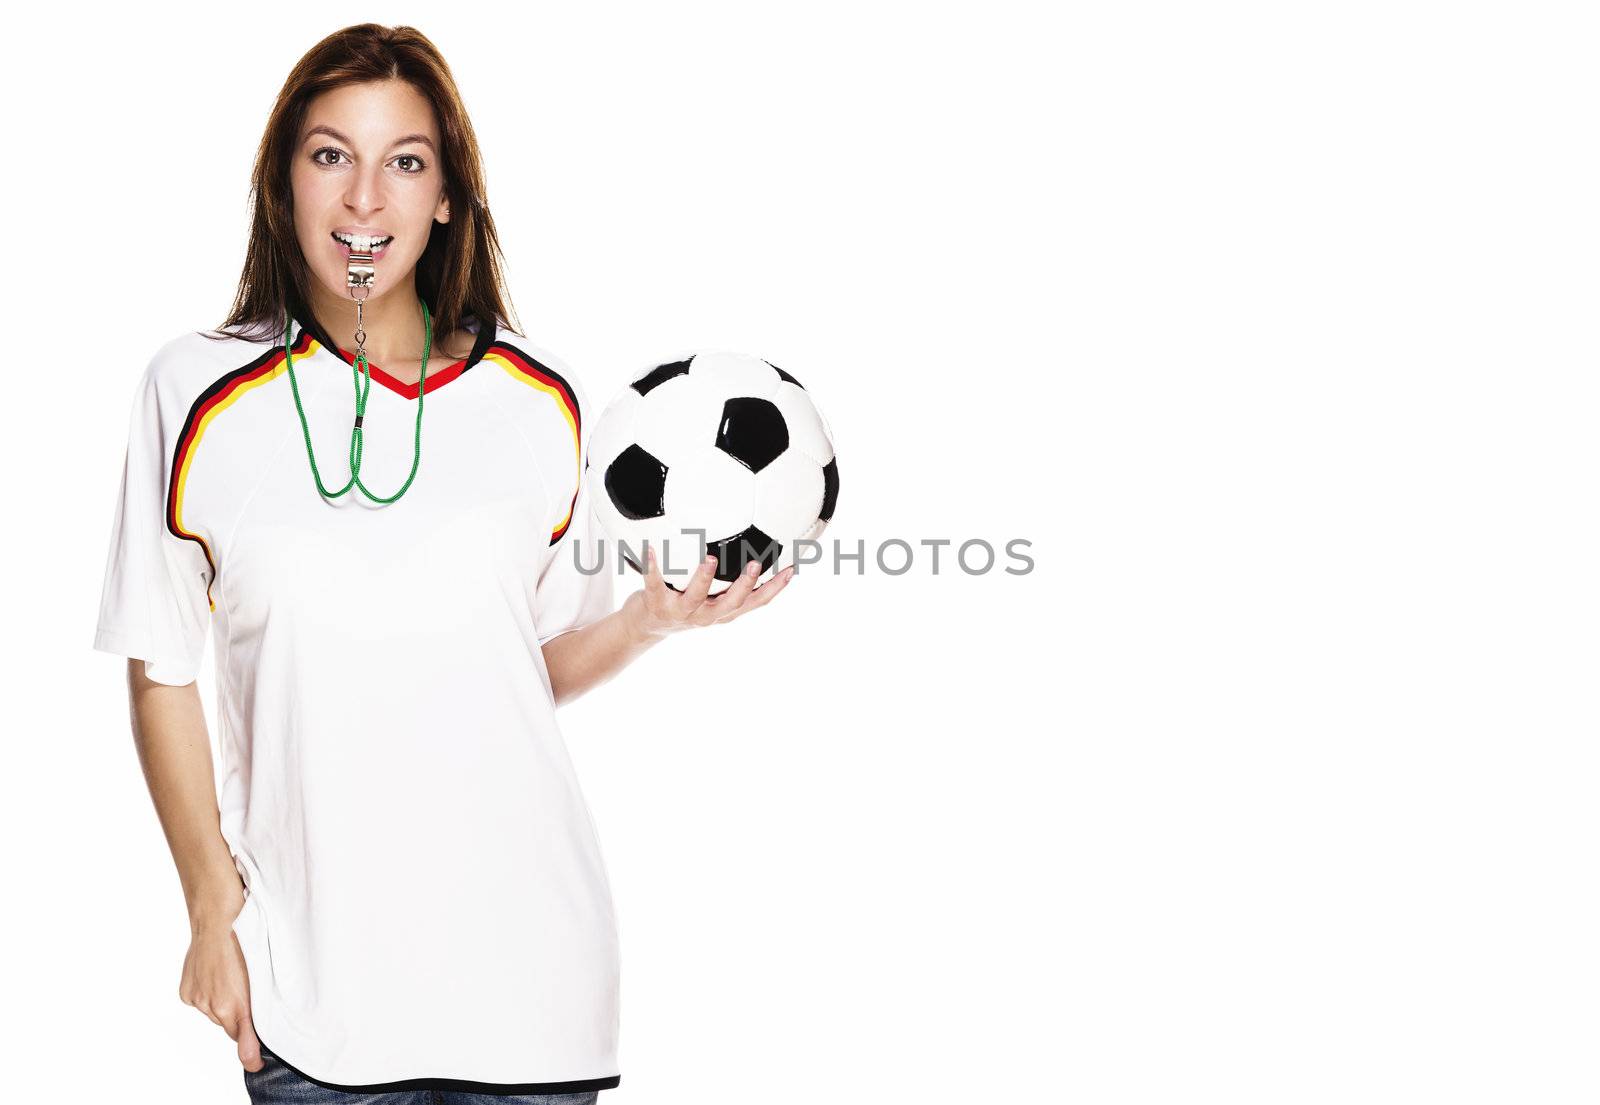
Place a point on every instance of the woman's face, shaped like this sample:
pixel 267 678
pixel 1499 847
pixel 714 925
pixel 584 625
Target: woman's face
pixel 368 163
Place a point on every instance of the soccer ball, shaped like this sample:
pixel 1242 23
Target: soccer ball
pixel 719 447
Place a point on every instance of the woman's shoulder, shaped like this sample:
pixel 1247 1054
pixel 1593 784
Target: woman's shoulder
pixel 538 360
pixel 195 359
pixel 185 371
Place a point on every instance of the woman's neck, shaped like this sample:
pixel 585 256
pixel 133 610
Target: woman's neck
pixel 393 324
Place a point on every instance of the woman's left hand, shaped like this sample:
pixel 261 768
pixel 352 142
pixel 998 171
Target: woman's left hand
pixel 660 611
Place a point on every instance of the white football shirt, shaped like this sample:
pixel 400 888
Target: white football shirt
pixel 427 905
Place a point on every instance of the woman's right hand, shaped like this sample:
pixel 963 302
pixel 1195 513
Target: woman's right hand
pixel 216 982
pixel 656 611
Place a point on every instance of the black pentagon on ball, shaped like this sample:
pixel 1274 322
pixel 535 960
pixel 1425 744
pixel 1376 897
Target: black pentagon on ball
pixel 786 376
pixel 830 489
pixel 659 375
pixel 733 553
pixel 752 432
pixel 637 484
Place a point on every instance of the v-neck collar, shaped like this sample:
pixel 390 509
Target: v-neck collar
pixel 437 378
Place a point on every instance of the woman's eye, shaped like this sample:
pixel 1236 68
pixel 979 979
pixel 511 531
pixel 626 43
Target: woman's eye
pixel 412 157
pixel 317 157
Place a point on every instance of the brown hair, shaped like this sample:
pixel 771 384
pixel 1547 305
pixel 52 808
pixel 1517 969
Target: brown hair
pixel 460 271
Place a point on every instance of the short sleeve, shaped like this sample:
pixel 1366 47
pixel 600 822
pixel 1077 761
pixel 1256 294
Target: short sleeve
pixel 575 584
pixel 155 602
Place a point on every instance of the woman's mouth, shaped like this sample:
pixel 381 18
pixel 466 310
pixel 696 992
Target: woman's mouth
pixel 351 243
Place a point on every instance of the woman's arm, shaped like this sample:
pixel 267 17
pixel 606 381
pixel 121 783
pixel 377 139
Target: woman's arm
pixel 585 658
pixel 169 729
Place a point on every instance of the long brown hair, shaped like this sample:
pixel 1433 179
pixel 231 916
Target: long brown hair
pixel 459 273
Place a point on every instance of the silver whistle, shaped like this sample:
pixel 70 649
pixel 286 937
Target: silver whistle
pixel 361 273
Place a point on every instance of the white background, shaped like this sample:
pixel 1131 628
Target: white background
pixel 1270 326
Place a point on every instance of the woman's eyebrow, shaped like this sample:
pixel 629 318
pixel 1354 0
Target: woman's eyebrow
pixel 321 128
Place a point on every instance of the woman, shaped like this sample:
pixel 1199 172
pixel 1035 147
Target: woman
pixel 401 892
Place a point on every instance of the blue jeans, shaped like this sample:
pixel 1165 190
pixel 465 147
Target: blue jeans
pixel 276 1084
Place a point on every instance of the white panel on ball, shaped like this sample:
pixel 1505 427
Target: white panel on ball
pixel 788 495
pixel 613 431
pixel 712 491
pixel 677 419
pixel 791 549
pixel 806 430
pixel 732 374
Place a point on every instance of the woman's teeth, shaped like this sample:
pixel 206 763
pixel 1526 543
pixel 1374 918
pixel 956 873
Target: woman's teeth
pixel 361 243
